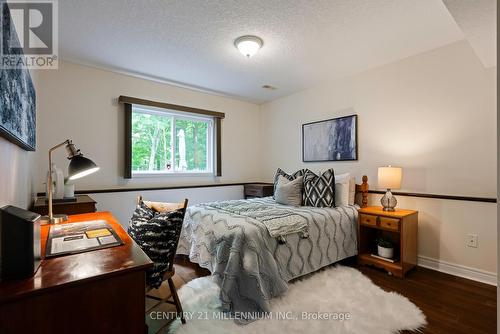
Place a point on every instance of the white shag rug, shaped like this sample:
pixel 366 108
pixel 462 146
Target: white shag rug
pixel 335 293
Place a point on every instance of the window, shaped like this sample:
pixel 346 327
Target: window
pixel 167 142
pixel 163 138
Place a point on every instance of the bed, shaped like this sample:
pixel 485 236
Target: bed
pixel 230 239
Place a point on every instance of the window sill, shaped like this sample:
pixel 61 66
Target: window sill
pixel 162 174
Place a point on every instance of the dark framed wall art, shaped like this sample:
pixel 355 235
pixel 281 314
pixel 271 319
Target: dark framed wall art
pixel 330 140
pixel 17 94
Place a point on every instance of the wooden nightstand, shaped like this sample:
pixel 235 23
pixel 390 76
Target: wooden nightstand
pixel 252 190
pixel 83 204
pixel 400 226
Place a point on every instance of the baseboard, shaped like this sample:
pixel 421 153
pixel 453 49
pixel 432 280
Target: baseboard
pixel 458 270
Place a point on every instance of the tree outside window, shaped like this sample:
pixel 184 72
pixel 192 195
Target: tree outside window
pixel 164 142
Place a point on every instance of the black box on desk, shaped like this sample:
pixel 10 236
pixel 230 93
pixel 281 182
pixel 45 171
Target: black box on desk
pixel 19 243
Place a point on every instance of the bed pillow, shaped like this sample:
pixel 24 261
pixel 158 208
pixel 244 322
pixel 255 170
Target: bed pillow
pixel 319 190
pixel 290 177
pixel 352 190
pixel 352 187
pixel 289 192
pixel 158 235
pixel 342 183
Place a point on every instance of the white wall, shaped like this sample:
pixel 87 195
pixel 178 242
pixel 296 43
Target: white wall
pixel 442 229
pixel 80 103
pixel 16 168
pixel 433 114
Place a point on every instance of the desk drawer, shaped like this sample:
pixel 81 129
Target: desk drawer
pixel 389 223
pixel 368 220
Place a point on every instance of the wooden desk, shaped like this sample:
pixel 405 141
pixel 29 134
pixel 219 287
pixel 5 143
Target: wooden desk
pixel 101 291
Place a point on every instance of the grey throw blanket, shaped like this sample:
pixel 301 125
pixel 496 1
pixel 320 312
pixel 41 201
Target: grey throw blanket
pixel 249 265
pixel 279 221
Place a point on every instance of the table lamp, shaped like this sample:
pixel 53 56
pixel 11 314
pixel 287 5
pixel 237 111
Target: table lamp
pixel 79 166
pixel 389 178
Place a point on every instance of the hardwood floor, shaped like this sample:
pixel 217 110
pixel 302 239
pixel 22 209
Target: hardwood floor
pixel 185 271
pixel 451 304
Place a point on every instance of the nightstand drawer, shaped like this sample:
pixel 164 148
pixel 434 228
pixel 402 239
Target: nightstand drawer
pixel 389 223
pixel 382 222
pixel 368 220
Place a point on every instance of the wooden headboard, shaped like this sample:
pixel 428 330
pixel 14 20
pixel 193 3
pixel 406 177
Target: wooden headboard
pixel 362 192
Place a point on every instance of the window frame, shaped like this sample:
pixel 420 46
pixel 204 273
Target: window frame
pixel 183 112
pixel 175 115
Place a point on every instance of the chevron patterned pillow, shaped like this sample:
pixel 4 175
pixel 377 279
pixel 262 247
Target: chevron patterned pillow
pixel 319 190
pixel 290 177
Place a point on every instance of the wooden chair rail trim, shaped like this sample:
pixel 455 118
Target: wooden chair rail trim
pixel 438 196
pixel 358 190
pixel 118 190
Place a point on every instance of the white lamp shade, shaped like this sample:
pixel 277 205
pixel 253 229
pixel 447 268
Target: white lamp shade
pixel 248 45
pixel 390 177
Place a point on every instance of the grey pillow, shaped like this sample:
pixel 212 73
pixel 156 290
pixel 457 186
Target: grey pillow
pixel 291 177
pixel 289 192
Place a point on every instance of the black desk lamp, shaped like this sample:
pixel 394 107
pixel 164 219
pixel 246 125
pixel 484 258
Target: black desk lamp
pixel 79 166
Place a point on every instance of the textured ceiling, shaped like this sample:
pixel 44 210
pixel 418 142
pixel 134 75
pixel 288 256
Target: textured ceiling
pixel 477 19
pixel 305 42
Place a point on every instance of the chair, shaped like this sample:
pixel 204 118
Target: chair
pixel 166 207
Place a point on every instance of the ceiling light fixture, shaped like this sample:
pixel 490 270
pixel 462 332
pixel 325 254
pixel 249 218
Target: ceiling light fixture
pixel 248 45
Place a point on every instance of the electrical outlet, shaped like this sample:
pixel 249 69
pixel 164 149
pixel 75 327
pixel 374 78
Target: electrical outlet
pixel 472 240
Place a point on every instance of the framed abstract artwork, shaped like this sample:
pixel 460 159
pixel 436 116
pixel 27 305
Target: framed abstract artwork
pixel 17 94
pixel 330 140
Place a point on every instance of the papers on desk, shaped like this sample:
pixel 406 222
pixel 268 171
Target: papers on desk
pixel 80 237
